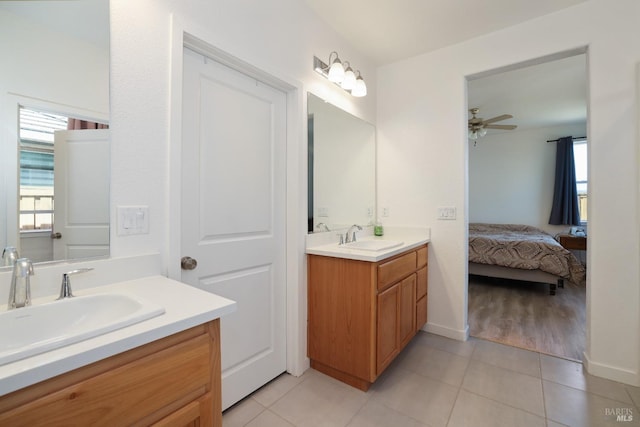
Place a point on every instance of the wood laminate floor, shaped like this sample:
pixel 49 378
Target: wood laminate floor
pixel 523 314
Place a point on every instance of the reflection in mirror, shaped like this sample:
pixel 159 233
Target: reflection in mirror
pixel 342 173
pixel 54 181
pixel 64 206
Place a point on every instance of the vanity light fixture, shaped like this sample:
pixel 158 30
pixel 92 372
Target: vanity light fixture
pixel 343 76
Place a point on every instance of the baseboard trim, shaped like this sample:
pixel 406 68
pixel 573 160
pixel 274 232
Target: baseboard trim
pixel 610 372
pixel 456 334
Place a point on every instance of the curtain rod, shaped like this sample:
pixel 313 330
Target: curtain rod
pixel 577 137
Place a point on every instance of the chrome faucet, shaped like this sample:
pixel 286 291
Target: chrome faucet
pixel 352 238
pixel 20 291
pixel 65 287
pixel 9 256
pixel 322 227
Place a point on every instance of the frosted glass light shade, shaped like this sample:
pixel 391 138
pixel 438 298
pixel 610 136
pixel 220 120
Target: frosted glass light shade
pixel 336 72
pixel 349 81
pixel 360 88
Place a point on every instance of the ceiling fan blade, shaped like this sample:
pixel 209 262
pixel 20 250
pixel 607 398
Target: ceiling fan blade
pixel 505 127
pixel 497 119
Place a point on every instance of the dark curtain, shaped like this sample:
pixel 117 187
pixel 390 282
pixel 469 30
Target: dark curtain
pixel 565 209
pixel 77 124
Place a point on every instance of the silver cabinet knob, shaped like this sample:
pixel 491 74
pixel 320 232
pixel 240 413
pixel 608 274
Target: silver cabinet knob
pixel 188 263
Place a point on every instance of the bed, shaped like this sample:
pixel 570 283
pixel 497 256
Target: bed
pixel 521 252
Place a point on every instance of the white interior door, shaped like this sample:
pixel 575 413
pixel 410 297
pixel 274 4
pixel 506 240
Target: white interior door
pixel 81 193
pixel 233 214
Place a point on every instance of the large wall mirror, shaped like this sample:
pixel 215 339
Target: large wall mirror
pixel 54 137
pixel 342 168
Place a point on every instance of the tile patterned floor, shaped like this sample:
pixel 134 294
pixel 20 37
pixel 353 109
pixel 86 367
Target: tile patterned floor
pixel 441 382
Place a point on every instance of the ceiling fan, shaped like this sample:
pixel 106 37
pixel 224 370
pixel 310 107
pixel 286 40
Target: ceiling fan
pixel 478 126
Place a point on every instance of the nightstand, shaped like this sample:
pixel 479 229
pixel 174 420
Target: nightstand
pixel 569 241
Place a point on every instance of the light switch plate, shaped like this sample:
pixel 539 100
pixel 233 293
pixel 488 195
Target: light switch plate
pixel 133 220
pixel 447 212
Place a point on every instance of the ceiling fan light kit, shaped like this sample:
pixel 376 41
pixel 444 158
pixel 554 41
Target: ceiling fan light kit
pixel 478 126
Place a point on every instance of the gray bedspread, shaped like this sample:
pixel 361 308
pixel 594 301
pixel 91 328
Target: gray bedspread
pixel 524 247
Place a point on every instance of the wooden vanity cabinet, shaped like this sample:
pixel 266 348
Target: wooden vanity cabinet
pixel 362 314
pixel 172 382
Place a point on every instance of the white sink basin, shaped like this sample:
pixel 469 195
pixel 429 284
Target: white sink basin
pixel 36 329
pixel 373 245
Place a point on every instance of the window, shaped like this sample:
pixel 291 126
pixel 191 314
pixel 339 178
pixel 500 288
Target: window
pixel 580 159
pixel 36 168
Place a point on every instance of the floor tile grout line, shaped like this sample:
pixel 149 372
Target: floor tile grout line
pixel 590 392
pixel 508 369
pixel 287 392
pixel 512 371
pixel 466 369
pixel 264 408
pixel 267 407
pixel 544 400
pixel 506 404
pixel 358 411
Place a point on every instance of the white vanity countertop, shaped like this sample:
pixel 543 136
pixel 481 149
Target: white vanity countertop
pixel 185 307
pixel 326 244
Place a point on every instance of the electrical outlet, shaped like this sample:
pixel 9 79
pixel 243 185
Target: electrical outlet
pixel 385 212
pixel 447 212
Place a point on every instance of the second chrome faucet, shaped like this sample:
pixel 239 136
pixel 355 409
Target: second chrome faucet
pixel 65 287
pixel 350 236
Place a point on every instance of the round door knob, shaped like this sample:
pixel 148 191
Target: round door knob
pixel 56 235
pixel 188 263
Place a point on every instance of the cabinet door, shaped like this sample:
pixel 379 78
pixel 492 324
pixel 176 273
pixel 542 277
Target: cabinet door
pixel 421 298
pixel 387 326
pixel 196 414
pixel 407 313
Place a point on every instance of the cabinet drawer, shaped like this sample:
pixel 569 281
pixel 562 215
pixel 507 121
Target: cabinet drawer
pixel 394 270
pixel 421 287
pixel 151 383
pixel 423 257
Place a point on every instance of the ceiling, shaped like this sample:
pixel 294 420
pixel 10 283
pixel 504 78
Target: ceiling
pixel 86 19
pixel 547 94
pixel 390 30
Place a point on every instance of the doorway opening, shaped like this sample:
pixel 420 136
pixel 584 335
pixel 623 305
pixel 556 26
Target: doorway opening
pixel 511 173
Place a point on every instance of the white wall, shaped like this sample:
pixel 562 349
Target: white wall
pixel 423 153
pixel 280 36
pixel 511 176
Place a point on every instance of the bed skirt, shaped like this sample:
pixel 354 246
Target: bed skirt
pixel 537 276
